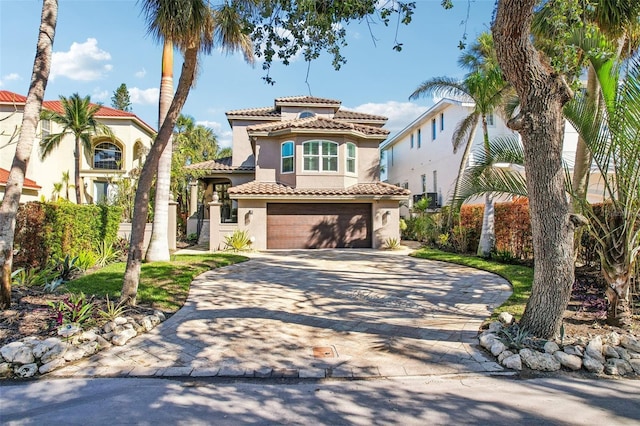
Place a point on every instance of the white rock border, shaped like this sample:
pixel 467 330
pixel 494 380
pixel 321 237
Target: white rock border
pixel 614 355
pixel 31 356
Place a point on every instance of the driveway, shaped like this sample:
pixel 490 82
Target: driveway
pixel 318 313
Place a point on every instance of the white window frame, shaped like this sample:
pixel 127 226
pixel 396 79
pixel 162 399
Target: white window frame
pixel 292 157
pixel 306 114
pixel 352 159
pixel 321 156
pixel 45 128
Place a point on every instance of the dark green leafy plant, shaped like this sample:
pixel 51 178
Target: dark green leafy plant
pixel 67 268
pixel 515 337
pixel 107 253
pixel 112 310
pixel 75 309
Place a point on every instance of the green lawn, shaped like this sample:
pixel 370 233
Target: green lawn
pixel 163 285
pixel 520 277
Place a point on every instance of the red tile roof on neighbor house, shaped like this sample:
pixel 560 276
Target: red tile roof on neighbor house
pixel 56 106
pixel 220 164
pixel 28 183
pixel 306 100
pixel 316 123
pixel 256 188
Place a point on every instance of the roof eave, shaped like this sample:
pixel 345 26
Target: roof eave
pixel 323 197
pixel 294 131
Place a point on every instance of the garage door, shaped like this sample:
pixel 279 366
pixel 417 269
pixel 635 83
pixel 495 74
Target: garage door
pixel 291 226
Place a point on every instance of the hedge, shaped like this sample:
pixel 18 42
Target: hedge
pixel 52 230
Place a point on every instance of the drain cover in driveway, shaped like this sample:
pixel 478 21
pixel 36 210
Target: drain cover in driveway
pixel 324 352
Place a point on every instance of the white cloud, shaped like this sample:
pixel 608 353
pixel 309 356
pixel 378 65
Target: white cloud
pixel 400 114
pixel 144 96
pixel 84 61
pixel 141 73
pixel 224 136
pixel 99 95
pixel 10 77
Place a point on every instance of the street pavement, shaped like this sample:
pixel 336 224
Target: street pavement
pixel 426 400
pixel 317 314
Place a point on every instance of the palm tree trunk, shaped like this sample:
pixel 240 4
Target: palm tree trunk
pixel 463 165
pixel 488 232
pixel 141 205
pixel 617 277
pixel 542 93
pixel 76 172
pixel 31 115
pixel 158 249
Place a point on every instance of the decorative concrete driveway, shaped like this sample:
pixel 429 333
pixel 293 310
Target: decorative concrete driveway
pixel 318 313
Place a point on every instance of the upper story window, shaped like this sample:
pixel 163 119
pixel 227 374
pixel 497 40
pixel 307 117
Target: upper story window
pixel 441 121
pixel 45 127
pixel 287 157
pixel 306 114
pixel 107 155
pixel 490 119
pixel 434 133
pixel 320 156
pixel 351 157
pixel 419 138
pixel 411 138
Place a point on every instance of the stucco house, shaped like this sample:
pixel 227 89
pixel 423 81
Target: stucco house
pixel 304 174
pixel 420 157
pixel 102 166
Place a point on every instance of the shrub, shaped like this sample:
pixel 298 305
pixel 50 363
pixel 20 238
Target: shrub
pixel 238 241
pixel 86 259
pixel 392 243
pixel 107 253
pixel 75 309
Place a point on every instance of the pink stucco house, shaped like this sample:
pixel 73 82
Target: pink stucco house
pixel 304 174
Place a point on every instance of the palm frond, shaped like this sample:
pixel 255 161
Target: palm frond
pixel 230 34
pixel 443 87
pixel 463 131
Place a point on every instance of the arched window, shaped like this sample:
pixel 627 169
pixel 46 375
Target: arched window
pixel 320 156
pixel 306 114
pixel 287 157
pixel 138 151
pixel 351 157
pixel 107 155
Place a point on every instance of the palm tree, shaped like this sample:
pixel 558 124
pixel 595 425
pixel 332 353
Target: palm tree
pixel 193 27
pixel 66 181
pixel 611 134
pixel 77 119
pixel 57 189
pixel 32 108
pixel 488 90
pixel 158 249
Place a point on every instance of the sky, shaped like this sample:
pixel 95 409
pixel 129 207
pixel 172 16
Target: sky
pixel 100 44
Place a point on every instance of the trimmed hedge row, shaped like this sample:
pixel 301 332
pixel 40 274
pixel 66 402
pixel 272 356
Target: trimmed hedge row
pixel 52 230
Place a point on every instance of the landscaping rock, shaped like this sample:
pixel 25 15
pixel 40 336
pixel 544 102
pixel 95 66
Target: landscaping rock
pixel 539 361
pixel 89 348
pixel 88 336
pixel 630 343
pixel 495 326
pixel 610 352
pixel 592 365
pixel 551 347
pixel 160 315
pixel 572 362
pixel 574 350
pixel 50 366
pixel 635 364
pixel 103 343
pixel 121 339
pixel 497 348
pixel 17 353
pixel 633 355
pixel 45 346
pixel 613 339
pixel 486 340
pixel 594 349
pixel 74 353
pixel 505 318
pixel 503 355
pixel 155 320
pixel 623 353
pixel 618 367
pixel 120 320
pixel 55 351
pixel 513 362
pixel 27 370
pixel 146 324
pixel 5 369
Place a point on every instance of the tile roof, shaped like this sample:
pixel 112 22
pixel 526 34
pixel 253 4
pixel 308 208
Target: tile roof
pixel 255 112
pixel 306 100
pixel 28 183
pixel 220 164
pixel 10 97
pixel 317 123
pixel 343 114
pixel 273 188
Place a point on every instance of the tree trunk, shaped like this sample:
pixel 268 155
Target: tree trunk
pixel 461 169
pixel 141 204
pixel 76 173
pixel 159 244
pixel 582 163
pixel 488 233
pixel 617 278
pixel 542 94
pixel 30 118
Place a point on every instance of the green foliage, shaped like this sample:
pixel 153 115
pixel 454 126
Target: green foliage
pixel 66 268
pixel 403 225
pixel 443 240
pixel 503 256
pixel 192 238
pixel 86 259
pixel 107 253
pixel 392 243
pixel 29 277
pixel 423 228
pixel 112 310
pixel 238 241
pixel 121 99
pixel 51 230
pixel 514 337
pixel 75 309
pixel 52 284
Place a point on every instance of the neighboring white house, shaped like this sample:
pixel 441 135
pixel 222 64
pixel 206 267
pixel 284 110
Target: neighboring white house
pixel 420 157
pixel 104 164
